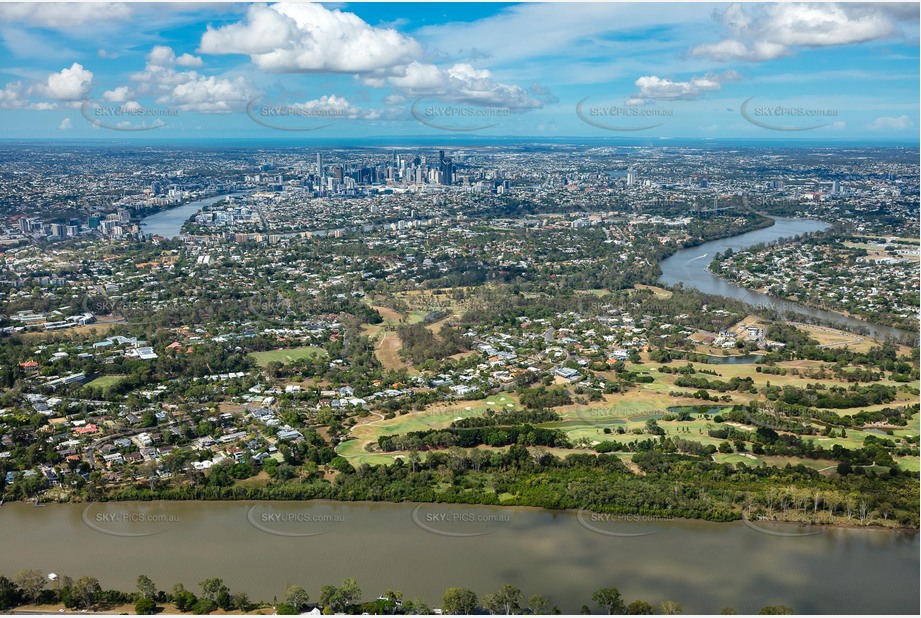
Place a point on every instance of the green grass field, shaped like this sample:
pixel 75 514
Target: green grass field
pixel 105 382
pixel 287 355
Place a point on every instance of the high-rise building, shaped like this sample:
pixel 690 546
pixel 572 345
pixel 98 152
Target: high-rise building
pixel 631 178
pixel 319 167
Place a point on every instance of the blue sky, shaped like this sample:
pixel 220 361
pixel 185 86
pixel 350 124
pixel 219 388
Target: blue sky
pixel 323 71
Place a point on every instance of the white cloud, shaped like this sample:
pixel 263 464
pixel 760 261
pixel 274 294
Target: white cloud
pixel 70 84
pixel 66 125
pixel 118 95
pixel 63 15
pixel 766 32
pixel 12 96
pixel 188 60
pixel 106 54
pixel 302 38
pixel 395 99
pixel 891 123
pixel 653 88
pixel 332 106
pixel 210 95
pixel 189 90
pixel 463 83
pixel 551 30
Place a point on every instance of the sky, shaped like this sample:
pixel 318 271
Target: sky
pixel 836 71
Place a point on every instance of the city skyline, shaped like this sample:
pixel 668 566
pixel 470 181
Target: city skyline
pixel 474 71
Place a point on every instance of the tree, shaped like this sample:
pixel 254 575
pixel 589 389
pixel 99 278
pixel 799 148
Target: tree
pixel 506 601
pixel 459 601
pixel 9 594
pixel 610 600
pixel 416 607
pixel 640 608
pixel 286 609
pixel 339 599
pixel 241 602
pixel 203 606
pixel 212 588
pixel 31 583
pixel 671 608
pixel 84 591
pixel 183 599
pixel 297 597
pixel 145 606
pixel 146 588
pixel 538 604
pixel 775 610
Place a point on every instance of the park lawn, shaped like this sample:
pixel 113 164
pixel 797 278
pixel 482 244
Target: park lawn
pixel 727 372
pixel 105 382
pixel 287 355
pixel 735 458
pixel 416 316
pixel 437 416
pixel 909 463
pixel 779 461
pixel 660 293
pixel 354 451
pixel 259 480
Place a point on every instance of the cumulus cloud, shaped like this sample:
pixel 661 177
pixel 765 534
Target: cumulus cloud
pixel 188 90
pixel 66 125
pixel 766 32
pixel 12 96
pixel 892 123
pixel 210 94
pixel 63 15
pixel 654 88
pixel 333 106
pixel 118 95
pixel 302 38
pixel 462 83
pixel 70 84
pixel 188 60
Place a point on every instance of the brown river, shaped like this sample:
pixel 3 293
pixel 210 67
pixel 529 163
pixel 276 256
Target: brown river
pixel 258 548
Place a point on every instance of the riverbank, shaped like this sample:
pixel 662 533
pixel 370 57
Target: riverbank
pixel 886 526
